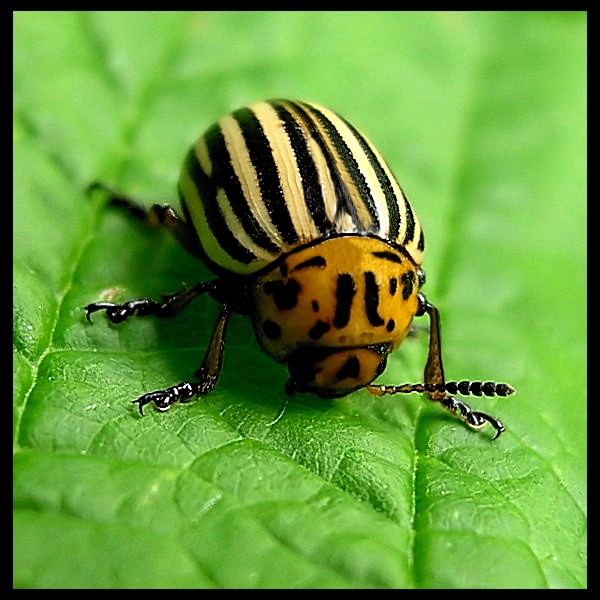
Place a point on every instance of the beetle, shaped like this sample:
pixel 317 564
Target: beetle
pixel 310 235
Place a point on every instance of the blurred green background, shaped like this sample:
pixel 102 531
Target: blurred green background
pixel 482 116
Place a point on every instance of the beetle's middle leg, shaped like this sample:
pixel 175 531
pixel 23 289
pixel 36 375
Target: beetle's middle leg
pixel 207 374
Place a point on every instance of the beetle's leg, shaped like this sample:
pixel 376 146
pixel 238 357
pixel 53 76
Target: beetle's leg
pixel 210 369
pixel 434 374
pixel 158 215
pixel 434 369
pixel 437 388
pixel 207 374
pixel 170 305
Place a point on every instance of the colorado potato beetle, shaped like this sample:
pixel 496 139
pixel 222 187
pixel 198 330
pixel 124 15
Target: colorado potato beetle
pixel 310 235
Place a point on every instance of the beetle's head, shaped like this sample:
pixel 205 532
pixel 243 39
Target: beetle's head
pixel 333 372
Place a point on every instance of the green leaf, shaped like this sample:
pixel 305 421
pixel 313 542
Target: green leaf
pixel 482 116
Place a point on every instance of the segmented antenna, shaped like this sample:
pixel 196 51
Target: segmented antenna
pixel 464 388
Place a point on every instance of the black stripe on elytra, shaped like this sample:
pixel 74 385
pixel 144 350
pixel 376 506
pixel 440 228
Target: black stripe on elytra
pixel 346 156
pixel 223 176
pixel 208 196
pixel 261 156
pixel 391 256
pixel 372 299
pixel 391 200
pixel 421 244
pixel 410 225
pixel 311 183
pixel 344 293
pixel 344 201
pixel 315 261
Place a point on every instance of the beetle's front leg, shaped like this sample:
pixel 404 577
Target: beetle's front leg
pixel 170 305
pixel 434 378
pixel 440 390
pixel 207 374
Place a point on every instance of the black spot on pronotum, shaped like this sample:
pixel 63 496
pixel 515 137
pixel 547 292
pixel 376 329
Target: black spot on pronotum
pixel 388 256
pixel 315 261
pixel 272 330
pixel 315 306
pixel 344 294
pixel 407 282
pixel 393 285
pixel 391 325
pixel 372 299
pixel 351 369
pixel 319 330
pixel 285 293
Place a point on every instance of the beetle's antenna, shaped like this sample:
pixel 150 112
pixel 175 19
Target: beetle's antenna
pixel 464 388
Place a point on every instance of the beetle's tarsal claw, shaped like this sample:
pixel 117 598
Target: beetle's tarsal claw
pixel 474 419
pixel 163 399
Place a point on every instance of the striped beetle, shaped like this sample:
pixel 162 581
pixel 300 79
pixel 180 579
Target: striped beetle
pixel 311 236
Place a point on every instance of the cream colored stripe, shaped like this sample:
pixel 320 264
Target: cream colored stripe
pixel 196 208
pixel 400 198
pixel 246 174
pixel 365 168
pixel 236 228
pixel 402 203
pixel 287 168
pixel 209 242
pixel 325 181
pixel 323 173
pixel 203 156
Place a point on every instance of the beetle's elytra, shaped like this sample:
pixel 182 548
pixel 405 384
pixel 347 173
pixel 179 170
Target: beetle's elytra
pixel 310 235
